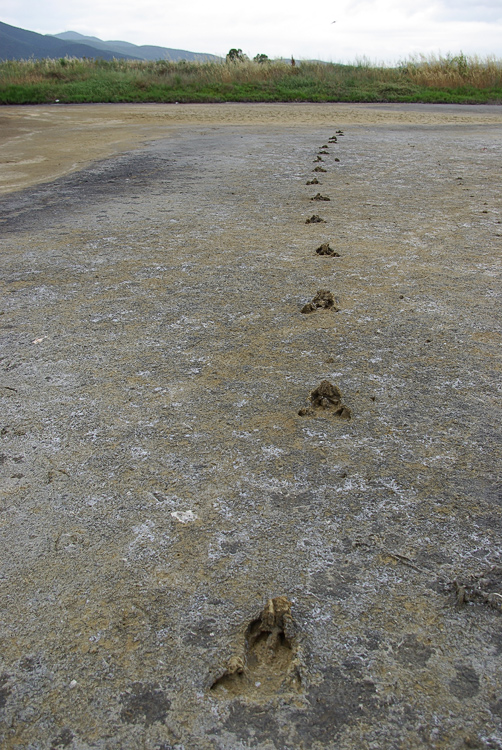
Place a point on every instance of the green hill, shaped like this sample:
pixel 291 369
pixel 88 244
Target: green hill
pixel 139 52
pixel 19 44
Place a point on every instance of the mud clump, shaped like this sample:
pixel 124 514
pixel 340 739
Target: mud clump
pixel 323 300
pixel 326 398
pixel 271 625
pixel 267 665
pixel 483 588
pixel 320 197
pixel 315 220
pixel 325 249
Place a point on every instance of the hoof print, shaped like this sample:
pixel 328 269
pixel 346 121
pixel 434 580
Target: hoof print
pixel 315 219
pixel 319 169
pixel 333 139
pixel 323 300
pixel 325 146
pixel 324 152
pixel 268 666
pixel 337 159
pixel 315 181
pixel 325 249
pixel 320 197
pixel 318 158
pixel 326 398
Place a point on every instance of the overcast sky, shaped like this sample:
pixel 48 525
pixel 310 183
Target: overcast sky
pixel 380 30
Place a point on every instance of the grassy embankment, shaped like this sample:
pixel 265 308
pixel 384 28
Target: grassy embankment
pixel 446 79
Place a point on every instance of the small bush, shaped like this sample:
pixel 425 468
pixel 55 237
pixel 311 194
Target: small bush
pixel 235 56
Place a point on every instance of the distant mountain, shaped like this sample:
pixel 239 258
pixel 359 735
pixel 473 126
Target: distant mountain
pixel 18 44
pixel 141 52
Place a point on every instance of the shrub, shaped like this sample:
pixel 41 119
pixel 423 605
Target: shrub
pixel 235 55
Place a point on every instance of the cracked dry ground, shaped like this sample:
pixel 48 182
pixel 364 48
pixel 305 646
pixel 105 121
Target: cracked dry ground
pixel 186 561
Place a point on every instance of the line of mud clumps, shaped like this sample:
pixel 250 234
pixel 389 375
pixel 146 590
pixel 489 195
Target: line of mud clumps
pixel 326 399
pixel 265 662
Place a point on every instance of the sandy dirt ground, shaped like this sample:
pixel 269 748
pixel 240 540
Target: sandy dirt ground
pixel 226 523
pixel 38 143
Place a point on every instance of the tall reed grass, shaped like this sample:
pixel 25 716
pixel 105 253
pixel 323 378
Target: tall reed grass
pixel 454 71
pixel 450 78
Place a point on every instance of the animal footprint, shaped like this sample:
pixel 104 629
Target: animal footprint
pixel 315 219
pixel 323 300
pixel 325 249
pixel 315 181
pixel 267 665
pixel 319 169
pixel 320 197
pixel 484 587
pixel 326 398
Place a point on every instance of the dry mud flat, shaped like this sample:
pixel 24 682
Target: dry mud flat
pixel 226 523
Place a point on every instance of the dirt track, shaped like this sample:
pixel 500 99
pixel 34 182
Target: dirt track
pixel 159 483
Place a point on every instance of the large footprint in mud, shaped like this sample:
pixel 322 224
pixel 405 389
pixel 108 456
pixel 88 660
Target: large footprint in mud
pixel 267 665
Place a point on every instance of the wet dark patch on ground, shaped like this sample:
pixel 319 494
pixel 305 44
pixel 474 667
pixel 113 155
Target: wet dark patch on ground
pixel 144 704
pixel 116 179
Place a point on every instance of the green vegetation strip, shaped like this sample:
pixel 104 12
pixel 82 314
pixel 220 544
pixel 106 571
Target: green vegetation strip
pixel 442 80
